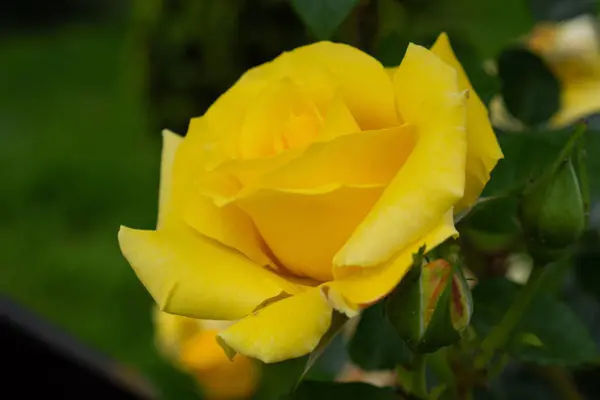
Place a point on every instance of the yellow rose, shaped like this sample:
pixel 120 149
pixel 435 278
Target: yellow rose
pixel 307 187
pixel 191 345
pixel 571 50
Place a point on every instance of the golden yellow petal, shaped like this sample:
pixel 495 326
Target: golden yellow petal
pixel 280 117
pixel 287 329
pixel 190 275
pixel 218 129
pixel 338 121
pixel 304 229
pixel 171 142
pixel 483 151
pixel 228 225
pixel 358 287
pixel 432 179
pixel 360 79
pixel 366 158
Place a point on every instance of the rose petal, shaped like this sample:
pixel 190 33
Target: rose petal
pixel 281 117
pixel 357 159
pixel 171 142
pixel 483 151
pixel 432 179
pixel 190 275
pixel 361 80
pixel 287 329
pixel 338 121
pixel 367 158
pixel 227 225
pixel 321 70
pixel 304 229
pixel 357 287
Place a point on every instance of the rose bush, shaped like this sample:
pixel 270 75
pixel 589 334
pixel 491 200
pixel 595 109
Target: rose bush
pixel 190 344
pixel 306 188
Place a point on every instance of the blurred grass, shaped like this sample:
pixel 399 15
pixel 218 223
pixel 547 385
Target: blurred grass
pixel 77 161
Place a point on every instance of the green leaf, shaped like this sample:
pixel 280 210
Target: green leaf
pixel 280 379
pixel 529 89
pixel 337 322
pixel 311 390
pixel 375 344
pixel 549 333
pixel 391 49
pixel 526 156
pixel 323 16
pixel 492 225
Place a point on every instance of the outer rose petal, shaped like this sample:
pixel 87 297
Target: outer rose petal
pixel 287 329
pixel 432 179
pixel 171 142
pixel 190 275
pixel 364 286
pixel 483 151
pixel 229 225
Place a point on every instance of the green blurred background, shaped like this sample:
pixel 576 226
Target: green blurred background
pixel 85 89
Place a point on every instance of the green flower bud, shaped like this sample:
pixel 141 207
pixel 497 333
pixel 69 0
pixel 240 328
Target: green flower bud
pixel 431 306
pixel 552 212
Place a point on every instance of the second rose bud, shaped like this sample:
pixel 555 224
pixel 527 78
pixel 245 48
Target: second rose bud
pixel 431 306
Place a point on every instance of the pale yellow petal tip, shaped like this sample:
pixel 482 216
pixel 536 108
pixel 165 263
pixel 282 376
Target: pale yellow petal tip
pixel 123 235
pixel 167 133
pixel 338 302
pixel 443 38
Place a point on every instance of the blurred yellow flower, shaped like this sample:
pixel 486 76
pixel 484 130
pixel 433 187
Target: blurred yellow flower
pixel 307 187
pixel 192 346
pixel 572 51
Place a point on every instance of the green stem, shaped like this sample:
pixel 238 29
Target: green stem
pixel 440 366
pixel 500 334
pixel 567 150
pixel 584 181
pixel 419 383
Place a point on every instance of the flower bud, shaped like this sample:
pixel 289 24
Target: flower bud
pixel 552 212
pixel 431 306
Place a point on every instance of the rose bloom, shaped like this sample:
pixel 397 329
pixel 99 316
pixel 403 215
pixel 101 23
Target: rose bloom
pixel 307 187
pixel 571 49
pixel 190 344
